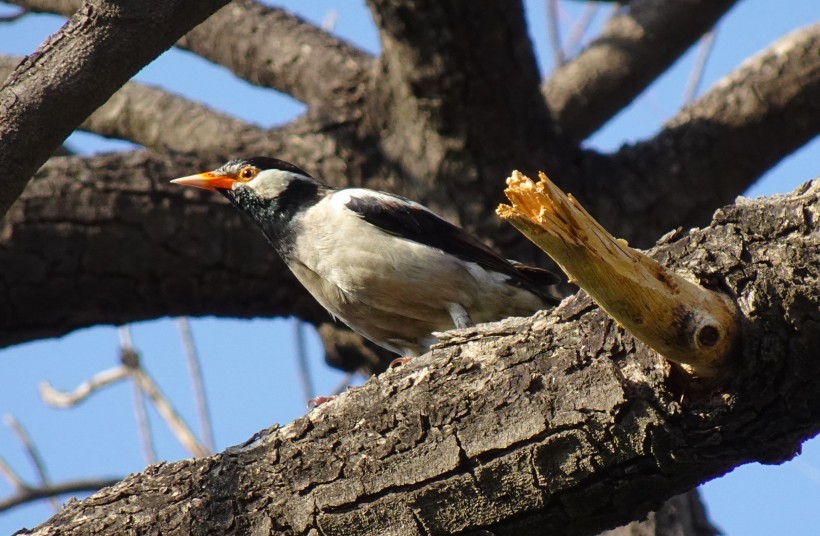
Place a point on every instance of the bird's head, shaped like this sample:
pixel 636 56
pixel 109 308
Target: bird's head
pixel 268 190
pixel 268 178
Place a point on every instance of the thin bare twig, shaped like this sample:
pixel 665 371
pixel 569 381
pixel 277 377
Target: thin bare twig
pixel 302 365
pixel 33 455
pixel 14 17
pixel 554 33
pixel 343 384
pixel 126 341
pixel 197 382
pixel 171 417
pixel 11 475
pixel 28 494
pixel 707 43
pixel 143 425
pixel 62 399
pixel 131 361
pixel 329 20
pixel 579 29
pixel 130 367
pixel 129 357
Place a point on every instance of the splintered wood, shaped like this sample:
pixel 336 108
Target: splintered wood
pixel 684 322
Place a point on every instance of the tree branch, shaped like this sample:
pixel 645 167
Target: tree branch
pixel 31 494
pixel 558 423
pixel 634 48
pixel 715 148
pixel 272 48
pixel 686 323
pixel 458 87
pixel 197 382
pixel 75 71
pixel 154 118
pixel 108 240
pixel 60 7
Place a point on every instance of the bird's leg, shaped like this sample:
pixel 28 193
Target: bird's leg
pixel 461 319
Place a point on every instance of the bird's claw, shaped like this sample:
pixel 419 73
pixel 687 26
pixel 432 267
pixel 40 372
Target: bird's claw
pixel 399 361
pixel 317 401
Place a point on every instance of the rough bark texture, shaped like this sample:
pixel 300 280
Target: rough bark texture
pixel 60 84
pixel 188 265
pixel 278 50
pixel 449 107
pixel 561 422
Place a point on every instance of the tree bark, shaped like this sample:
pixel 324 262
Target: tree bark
pixel 767 94
pixel 634 48
pixel 450 106
pixel 79 205
pixel 75 71
pixel 559 423
pixel 278 50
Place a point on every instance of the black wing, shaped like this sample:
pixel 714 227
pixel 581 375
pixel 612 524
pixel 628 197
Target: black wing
pixel 408 219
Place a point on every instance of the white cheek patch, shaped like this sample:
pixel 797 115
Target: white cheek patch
pixel 269 183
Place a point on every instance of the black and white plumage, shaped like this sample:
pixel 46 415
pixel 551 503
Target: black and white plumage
pixel 386 266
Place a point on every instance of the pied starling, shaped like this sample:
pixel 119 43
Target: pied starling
pixel 384 265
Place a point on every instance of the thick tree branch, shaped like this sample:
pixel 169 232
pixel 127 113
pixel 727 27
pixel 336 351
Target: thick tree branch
pixel 155 118
pixel 559 423
pixel 459 84
pixel 75 71
pixel 108 240
pixel 272 48
pixel 634 48
pixel 715 148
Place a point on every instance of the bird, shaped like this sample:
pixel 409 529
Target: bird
pixel 386 266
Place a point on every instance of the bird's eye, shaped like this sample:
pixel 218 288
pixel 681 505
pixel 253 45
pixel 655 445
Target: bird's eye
pixel 248 173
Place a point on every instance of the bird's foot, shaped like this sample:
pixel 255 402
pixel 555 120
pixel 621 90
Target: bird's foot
pixel 317 401
pixel 399 361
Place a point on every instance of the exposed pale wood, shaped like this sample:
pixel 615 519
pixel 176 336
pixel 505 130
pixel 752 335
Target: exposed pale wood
pixel 685 322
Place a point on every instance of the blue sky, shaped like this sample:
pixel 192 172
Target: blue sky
pixel 250 372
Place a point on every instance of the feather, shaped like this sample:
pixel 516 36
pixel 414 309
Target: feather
pixel 407 219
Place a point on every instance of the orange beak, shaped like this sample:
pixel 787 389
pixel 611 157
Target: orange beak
pixel 207 181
